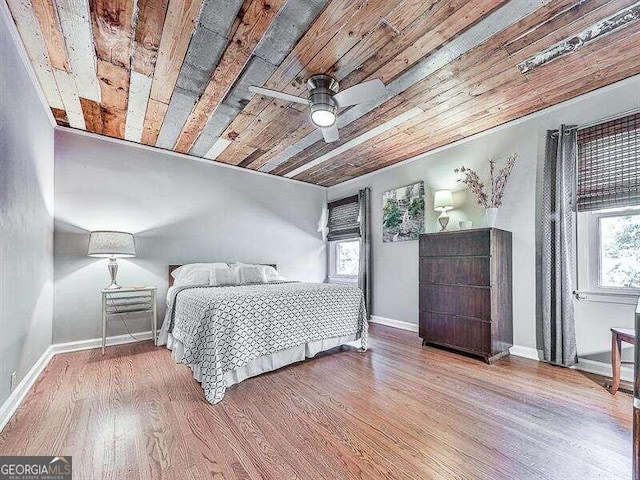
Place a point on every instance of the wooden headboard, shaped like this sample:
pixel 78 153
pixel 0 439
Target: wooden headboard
pixel 173 267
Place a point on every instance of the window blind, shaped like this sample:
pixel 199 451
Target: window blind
pixel 344 219
pixel 609 164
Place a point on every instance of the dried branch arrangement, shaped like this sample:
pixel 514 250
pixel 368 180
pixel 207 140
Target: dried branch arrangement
pixel 498 182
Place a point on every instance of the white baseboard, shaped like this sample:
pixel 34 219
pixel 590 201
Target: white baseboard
pixel 97 342
pixel 603 369
pixel 12 403
pixel 517 350
pixel 389 322
pixel 525 352
pixel 589 366
pixel 584 365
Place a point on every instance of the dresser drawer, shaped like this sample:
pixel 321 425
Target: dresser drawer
pixel 462 333
pixel 467 242
pixel 456 270
pixel 456 300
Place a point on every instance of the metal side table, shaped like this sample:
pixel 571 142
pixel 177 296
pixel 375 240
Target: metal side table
pixel 127 300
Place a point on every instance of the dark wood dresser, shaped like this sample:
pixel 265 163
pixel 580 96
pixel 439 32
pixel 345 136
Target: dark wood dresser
pixel 465 291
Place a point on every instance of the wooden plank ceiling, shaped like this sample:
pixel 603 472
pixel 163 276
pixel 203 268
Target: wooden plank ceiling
pixel 175 73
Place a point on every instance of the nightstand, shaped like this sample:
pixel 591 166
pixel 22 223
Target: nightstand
pixel 128 300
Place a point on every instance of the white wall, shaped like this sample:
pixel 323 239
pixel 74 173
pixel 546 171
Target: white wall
pixel 395 265
pixel 26 216
pixel 180 211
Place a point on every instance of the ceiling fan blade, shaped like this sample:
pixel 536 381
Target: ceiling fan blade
pixel 330 134
pixel 361 93
pixel 278 95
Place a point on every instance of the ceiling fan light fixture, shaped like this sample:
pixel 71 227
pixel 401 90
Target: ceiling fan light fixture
pixel 325 99
pixel 323 117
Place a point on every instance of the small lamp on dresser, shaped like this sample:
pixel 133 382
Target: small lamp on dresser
pixel 443 202
pixel 112 245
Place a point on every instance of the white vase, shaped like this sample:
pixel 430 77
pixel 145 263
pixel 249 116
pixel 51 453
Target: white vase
pixel 491 214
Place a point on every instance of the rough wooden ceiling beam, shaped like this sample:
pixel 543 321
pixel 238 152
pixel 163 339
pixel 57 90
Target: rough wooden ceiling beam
pixel 331 19
pixel 358 26
pixel 113 32
pixel 412 30
pixel 255 22
pixel 569 28
pixel 619 20
pixel 153 119
pixel 355 29
pixel 53 38
pixel 75 20
pixel 114 91
pixel 139 91
pixel 209 41
pixel 293 20
pixel 146 40
pixel 31 35
pixel 176 35
pixel 92 113
pixel 566 14
pixel 51 30
pixel 60 117
pixel 70 98
pixel 146 43
pixel 180 107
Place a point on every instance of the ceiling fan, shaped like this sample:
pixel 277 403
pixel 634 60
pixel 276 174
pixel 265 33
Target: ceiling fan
pixel 325 100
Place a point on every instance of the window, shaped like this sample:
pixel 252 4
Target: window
pixel 347 258
pixel 609 251
pixel 344 261
pixel 619 252
pixel 344 239
pixel 608 206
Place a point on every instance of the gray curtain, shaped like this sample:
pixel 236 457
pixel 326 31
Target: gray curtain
pixel 558 237
pixel 364 217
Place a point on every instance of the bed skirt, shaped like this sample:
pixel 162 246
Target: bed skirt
pixel 266 363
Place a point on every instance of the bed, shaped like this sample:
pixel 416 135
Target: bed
pixel 227 334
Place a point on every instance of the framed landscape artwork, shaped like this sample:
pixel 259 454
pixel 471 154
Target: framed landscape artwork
pixel 403 213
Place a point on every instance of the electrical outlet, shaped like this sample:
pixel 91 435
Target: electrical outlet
pixel 13 381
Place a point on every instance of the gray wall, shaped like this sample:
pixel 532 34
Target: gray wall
pixel 395 266
pixel 180 211
pixel 26 217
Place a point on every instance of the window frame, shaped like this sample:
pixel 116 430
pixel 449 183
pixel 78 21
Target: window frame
pixel 333 261
pixel 589 252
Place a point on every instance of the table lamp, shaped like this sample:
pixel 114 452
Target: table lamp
pixel 111 245
pixel 443 202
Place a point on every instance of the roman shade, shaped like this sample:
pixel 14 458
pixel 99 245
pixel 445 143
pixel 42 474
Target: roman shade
pixel 344 219
pixel 609 164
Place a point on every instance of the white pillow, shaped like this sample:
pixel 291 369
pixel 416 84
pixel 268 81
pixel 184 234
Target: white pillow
pixel 252 274
pixel 224 276
pixel 190 267
pixel 192 277
pixel 272 274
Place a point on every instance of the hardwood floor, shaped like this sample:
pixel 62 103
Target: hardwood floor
pixel 399 411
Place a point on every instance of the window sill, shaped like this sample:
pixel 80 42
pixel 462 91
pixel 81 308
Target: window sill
pixel 609 297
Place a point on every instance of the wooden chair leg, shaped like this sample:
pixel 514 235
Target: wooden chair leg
pixel 616 362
